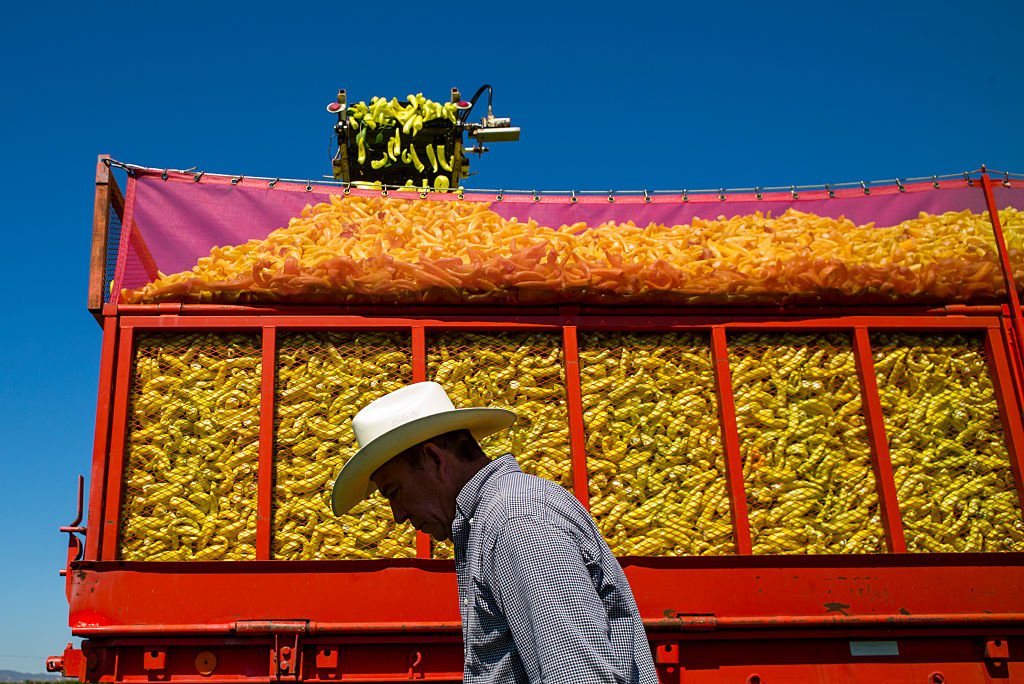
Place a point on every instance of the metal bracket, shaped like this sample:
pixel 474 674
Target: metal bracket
pixel 997 652
pixel 666 659
pixel 75 545
pixel 667 653
pixel 154 659
pixel 327 658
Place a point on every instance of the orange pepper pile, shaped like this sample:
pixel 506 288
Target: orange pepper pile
pixel 385 250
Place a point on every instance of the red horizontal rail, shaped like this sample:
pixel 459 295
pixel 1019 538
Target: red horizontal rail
pixel 511 312
pixel 583 322
pixel 682 622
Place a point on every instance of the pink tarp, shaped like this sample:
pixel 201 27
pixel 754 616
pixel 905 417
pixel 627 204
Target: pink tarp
pixel 174 222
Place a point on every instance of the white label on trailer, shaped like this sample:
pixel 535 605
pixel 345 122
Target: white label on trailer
pixel 874 648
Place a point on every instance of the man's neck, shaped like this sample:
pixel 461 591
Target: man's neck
pixel 465 470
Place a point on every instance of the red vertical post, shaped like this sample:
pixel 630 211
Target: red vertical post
pixel 111 535
pixel 1016 362
pixel 265 472
pixel 730 441
pixel 574 402
pixel 419 374
pixel 1004 261
pixel 101 439
pixel 1011 420
pixel 874 420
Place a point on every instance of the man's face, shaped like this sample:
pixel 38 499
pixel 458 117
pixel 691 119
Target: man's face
pixel 419 490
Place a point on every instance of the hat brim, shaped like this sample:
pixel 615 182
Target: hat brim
pixel 353 482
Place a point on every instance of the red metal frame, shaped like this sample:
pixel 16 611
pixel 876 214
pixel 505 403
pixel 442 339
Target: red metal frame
pixel 1011 420
pixel 730 441
pixel 419 374
pixel 574 400
pixel 265 469
pixel 885 485
pixel 569 323
pixel 101 438
pixel 379 613
pixel 111 514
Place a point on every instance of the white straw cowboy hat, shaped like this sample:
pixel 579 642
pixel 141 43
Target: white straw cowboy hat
pixel 391 424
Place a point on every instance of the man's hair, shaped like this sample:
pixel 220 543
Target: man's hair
pixel 461 443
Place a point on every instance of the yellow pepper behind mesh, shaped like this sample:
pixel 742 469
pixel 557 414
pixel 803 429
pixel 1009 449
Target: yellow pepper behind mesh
pixel 192 448
pixel 954 482
pixel 655 459
pixel 323 379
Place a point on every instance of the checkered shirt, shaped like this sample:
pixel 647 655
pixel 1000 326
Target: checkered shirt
pixel 542 597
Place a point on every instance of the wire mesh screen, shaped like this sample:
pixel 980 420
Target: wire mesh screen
pixel 654 452
pixel 954 481
pixel 193 448
pixel 110 260
pixel 807 468
pixel 523 372
pixel 323 380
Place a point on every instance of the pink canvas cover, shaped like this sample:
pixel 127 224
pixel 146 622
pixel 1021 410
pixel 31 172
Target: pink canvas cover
pixel 313 243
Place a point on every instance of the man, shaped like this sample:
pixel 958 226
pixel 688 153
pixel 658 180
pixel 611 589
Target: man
pixel 542 597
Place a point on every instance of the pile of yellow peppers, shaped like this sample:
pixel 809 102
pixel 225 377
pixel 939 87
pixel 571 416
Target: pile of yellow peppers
pixel 807 468
pixel 193 449
pixel 953 477
pixel 655 459
pixel 381 125
pixel 323 379
pixel 521 372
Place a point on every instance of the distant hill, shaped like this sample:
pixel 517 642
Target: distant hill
pixel 15 676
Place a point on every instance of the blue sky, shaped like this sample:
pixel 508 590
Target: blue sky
pixel 647 95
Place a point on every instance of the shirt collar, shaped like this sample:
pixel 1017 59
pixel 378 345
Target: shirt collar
pixel 469 496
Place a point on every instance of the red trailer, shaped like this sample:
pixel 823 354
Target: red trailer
pixel 799 489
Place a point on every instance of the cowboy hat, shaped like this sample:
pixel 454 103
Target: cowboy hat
pixel 401 419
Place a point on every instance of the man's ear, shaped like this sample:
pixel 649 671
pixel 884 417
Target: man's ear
pixel 434 458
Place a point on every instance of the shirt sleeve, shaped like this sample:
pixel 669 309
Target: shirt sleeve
pixel 559 624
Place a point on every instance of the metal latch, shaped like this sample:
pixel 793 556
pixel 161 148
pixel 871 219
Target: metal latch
pixel 286 654
pixel 285 660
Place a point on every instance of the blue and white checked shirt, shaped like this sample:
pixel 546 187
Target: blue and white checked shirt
pixel 542 597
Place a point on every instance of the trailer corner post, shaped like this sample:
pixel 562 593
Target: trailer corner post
pixel 111 535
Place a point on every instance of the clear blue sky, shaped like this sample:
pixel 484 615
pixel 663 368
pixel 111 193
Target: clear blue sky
pixel 671 95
